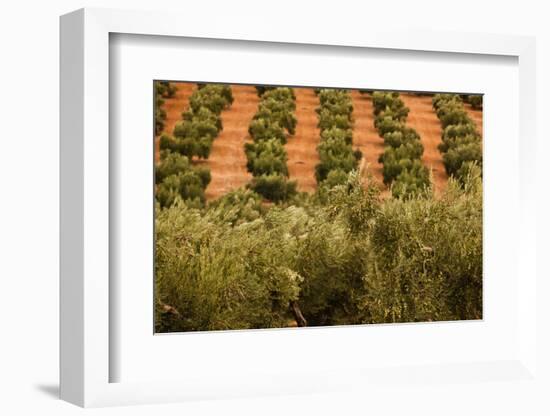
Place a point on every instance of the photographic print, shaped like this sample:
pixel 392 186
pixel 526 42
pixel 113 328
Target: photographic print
pixel 280 207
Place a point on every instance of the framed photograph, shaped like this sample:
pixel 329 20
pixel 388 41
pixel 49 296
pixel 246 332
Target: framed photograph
pixel 289 212
pixel 281 206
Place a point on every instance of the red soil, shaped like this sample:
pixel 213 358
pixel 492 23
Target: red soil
pixel 227 161
pixel 302 147
pixel 365 136
pixel 174 108
pixel 423 119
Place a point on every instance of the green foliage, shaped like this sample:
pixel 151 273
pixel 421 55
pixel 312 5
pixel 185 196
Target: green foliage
pixel 350 258
pixel 402 165
pixel 332 95
pixel 177 179
pixel 394 166
pixel 281 112
pixel 453 116
pixel 441 99
pixel 409 150
pixel 265 157
pixel 336 102
pixel 459 130
pixel 461 143
pixel 275 115
pixel 332 264
pixel 196 128
pixel 336 155
pixel 167 142
pixel 328 119
pixel 200 125
pixel 260 90
pixel 273 186
pixel 186 185
pixel 165 89
pixel 461 153
pixel 160 114
pixel 204 175
pixel 382 100
pixel 281 94
pixel 237 207
pixel 450 110
pixel 387 124
pixel 402 136
pixel 334 254
pixel 335 177
pixel 204 115
pixel 220 276
pixel 396 111
pixel 389 110
pixel 476 101
pixel 469 173
pixel 428 264
pixel 336 133
pixel 452 142
pixel 342 256
pixel 170 164
pixel 335 110
pixel 412 181
pixel 187 146
pixel 265 129
pixel 214 97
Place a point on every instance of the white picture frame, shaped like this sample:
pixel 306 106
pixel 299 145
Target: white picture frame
pixel 85 220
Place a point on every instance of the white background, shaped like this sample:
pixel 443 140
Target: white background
pixel 322 349
pixel 29 210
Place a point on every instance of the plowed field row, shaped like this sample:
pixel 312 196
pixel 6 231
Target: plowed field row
pixel 174 107
pixel 423 119
pixel 227 160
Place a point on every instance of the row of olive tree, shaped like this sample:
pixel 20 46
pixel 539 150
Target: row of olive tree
pixel 461 143
pixel 175 175
pixel 352 258
pixel 402 165
pixel 476 101
pixel 266 155
pixel 163 89
pixel 194 135
pixel 336 155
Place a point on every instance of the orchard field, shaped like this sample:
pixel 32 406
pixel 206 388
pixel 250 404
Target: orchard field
pixel 281 207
